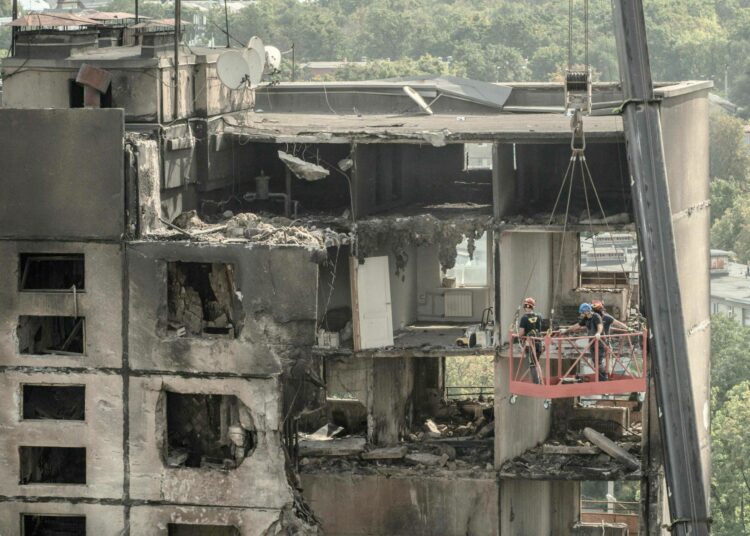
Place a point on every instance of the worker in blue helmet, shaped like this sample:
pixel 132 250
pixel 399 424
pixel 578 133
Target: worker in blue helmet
pixel 592 322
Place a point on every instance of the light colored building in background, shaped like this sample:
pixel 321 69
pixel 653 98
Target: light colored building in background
pixel 730 287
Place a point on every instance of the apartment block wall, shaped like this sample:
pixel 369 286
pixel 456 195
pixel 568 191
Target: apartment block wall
pixel 685 131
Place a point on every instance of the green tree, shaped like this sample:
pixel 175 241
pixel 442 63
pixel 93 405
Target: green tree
pixel 730 484
pixel 730 360
pixel 374 70
pixel 731 231
pixel 729 156
pixel 730 181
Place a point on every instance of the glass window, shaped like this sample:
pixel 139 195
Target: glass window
pixel 478 156
pixel 470 272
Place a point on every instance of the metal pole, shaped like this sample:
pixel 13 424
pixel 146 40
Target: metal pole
pixel 670 366
pixel 226 21
pixel 137 18
pixel 177 32
pixel 293 62
pixel 14 29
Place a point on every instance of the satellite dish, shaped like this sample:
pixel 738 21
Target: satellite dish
pixel 239 67
pixel 255 63
pixel 256 44
pixel 233 69
pixel 273 59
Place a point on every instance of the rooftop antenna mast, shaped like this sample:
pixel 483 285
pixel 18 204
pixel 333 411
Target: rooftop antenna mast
pixel 13 30
pixel 177 36
pixel 226 22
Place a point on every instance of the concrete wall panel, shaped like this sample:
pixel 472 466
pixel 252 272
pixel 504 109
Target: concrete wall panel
pixel 101 520
pixel 100 433
pixel 519 426
pixel 64 169
pixel 525 507
pixel 685 133
pixel 353 505
pixel 100 304
pixel 279 297
pixel 155 520
pixel 134 90
pixel 526 269
pixel 260 481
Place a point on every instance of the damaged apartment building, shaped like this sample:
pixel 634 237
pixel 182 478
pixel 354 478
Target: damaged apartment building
pixel 232 312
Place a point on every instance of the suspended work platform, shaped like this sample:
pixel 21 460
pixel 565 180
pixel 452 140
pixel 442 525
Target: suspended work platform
pixel 557 366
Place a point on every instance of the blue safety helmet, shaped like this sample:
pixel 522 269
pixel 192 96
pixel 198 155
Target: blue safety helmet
pixel 585 308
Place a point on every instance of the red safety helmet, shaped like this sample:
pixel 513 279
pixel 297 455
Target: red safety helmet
pixel 597 305
pixel 530 301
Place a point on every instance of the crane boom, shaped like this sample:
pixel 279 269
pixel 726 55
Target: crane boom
pixel 686 489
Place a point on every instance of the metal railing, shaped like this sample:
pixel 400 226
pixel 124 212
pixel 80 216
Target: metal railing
pixel 613 507
pixel 458 391
pixel 557 366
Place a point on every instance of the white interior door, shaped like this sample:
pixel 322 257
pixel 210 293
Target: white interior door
pixel 374 303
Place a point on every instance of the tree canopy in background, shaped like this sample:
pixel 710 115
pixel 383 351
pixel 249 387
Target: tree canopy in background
pixel 730 186
pixel 730 434
pixel 502 39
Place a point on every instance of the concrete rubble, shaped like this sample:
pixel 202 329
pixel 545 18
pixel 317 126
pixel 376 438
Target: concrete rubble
pixel 575 457
pixel 250 228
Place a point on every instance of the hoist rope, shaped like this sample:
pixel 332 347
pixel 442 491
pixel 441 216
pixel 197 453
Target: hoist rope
pixel 549 224
pixel 604 218
pixel 570 34
pixel 555 284
pixel 581 163
pixel 585 33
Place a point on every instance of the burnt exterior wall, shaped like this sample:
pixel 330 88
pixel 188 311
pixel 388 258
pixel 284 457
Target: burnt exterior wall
pixel 375 505
pixel 278 288
pixel 68 182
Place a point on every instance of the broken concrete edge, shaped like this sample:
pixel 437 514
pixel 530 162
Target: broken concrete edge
pixel 570 475
pixel 612 448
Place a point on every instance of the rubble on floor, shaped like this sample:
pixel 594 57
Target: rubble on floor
pixel 458 440
pixel 584 218
pixel 257 228
pixel 576 458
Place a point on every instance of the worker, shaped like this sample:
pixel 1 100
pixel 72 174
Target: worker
pixel 592 322
pixel 530 325
pixel 607 319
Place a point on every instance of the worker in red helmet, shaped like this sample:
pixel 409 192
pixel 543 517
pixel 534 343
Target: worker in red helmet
pixel 530 325
pixel 607 319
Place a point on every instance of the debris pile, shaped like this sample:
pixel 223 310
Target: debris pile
pixel 199 299
pixel 585 455
pixel 398 233
pixel 559 219
pixel 457 440
pixel 254 228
